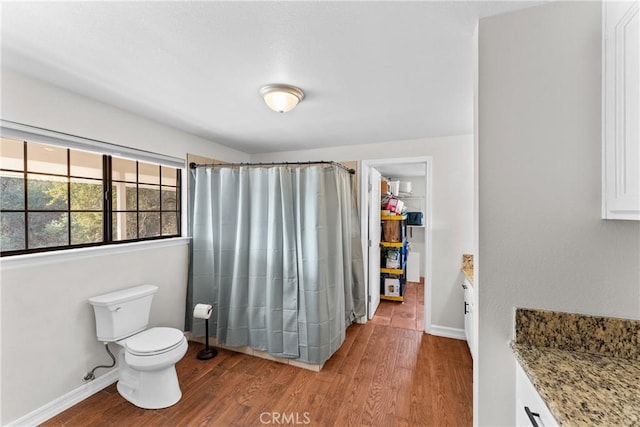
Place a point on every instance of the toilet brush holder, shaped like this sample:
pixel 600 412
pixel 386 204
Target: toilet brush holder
pixel 203 311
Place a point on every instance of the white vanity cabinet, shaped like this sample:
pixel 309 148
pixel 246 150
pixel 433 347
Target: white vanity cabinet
pixel 620 111
pixel 530 408
pixel 468 315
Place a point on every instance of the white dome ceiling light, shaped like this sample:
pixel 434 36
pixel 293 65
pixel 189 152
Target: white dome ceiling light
pixel 281 98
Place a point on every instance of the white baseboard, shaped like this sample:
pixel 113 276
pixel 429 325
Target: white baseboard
pixel 66 401
pixel 447 332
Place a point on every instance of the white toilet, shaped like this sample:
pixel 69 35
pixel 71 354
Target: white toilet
pixel 146 362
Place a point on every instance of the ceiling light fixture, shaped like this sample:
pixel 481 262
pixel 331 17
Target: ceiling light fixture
pixel 281 98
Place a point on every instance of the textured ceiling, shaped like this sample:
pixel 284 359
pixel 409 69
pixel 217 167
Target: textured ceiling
pixel 371 71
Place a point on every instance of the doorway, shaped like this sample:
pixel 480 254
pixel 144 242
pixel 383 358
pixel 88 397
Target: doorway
pixel 370 175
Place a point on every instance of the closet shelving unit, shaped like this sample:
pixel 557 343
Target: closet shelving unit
pixel 401 246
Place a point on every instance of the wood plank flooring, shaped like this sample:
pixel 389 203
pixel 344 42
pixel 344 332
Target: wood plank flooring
pixel 381 376
pixel 406 315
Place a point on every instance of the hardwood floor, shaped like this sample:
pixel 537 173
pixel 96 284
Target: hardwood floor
pixel 387 373
pixel 381 376
pixel 406 315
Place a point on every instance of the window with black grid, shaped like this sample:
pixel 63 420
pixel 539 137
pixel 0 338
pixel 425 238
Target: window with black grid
pixel 52 197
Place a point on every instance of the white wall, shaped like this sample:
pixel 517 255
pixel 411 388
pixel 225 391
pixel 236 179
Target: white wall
pixel 36 103
pixel 48 329
pixel 48 332
pixel 452 220
pixel 542 243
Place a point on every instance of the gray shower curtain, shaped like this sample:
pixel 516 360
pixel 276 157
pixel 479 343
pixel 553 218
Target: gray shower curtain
pixel 276 251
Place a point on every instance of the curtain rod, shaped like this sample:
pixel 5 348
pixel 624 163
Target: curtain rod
pixel 193 165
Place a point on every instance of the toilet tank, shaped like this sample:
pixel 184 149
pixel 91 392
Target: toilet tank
pixel 122 313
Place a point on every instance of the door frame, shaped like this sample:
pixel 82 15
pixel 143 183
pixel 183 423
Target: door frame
pixel 366 166
pixel 373 270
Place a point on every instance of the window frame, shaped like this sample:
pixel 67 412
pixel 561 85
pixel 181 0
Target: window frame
pixel 138 210
pixel 107 151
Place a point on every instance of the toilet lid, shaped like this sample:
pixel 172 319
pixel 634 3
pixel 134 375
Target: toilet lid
pixel 154 341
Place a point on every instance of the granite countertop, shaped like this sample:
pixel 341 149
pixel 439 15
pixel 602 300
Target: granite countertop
pixel 584 389
pixel 467 267
pixel 585 368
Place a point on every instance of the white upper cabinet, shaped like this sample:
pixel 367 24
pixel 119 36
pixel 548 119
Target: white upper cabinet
pixel 621 113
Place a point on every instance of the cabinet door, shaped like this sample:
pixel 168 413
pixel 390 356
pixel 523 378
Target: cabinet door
pixel 621 93
pixel 529 404
pixel 468 315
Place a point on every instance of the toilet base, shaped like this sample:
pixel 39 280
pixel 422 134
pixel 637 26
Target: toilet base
pixel 160 389
pixel 148 389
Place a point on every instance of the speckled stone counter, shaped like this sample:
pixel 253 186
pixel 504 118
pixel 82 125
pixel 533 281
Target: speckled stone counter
pixel 585 368
pixel 607 336
pixel 467 267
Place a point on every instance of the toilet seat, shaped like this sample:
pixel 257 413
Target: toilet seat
pixel 154 341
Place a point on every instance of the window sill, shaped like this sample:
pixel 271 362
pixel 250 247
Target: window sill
pixel 19 261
